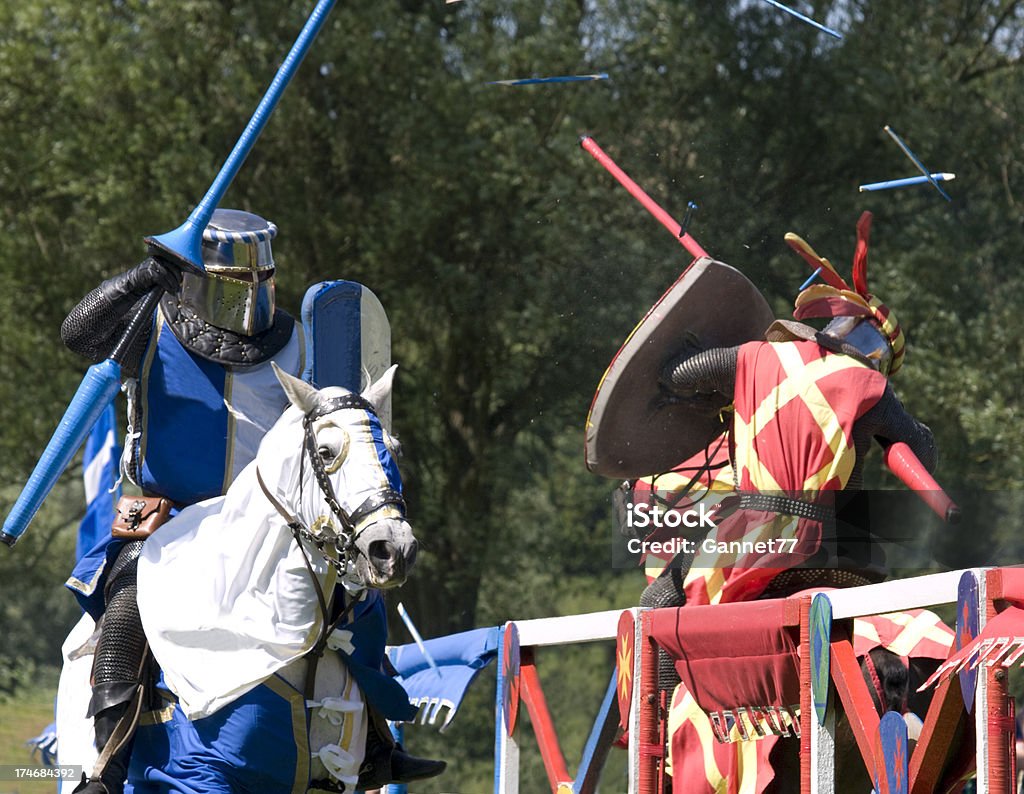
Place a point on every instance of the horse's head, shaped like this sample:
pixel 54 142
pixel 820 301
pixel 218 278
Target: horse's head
pixel 348 490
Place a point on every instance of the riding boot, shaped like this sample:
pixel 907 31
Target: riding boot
pixel 406 768
pixel 111 780
pixel 386 761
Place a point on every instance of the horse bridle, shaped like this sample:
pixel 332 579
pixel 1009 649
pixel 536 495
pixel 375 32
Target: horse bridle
pixel 350 522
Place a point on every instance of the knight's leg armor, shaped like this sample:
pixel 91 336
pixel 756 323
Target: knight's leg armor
pixel 117 676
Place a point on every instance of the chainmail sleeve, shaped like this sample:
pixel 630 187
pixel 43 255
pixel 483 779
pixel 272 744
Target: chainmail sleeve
pixel 708 372
pixel 98 322
pixel 889 421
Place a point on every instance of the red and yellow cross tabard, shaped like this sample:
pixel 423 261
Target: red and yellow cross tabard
pixel 699 764
pixel 795 405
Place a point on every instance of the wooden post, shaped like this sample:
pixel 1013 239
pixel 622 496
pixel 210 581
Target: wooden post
pixel 647 688
pixel 543 727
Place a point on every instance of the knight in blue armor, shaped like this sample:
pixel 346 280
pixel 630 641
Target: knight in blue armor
pixel 201 395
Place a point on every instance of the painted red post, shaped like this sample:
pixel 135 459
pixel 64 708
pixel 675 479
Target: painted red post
pixel 1000 710
pixel 806 706
pixel 532 694
pixel 853 693
pixel 650 752
pixel 935 743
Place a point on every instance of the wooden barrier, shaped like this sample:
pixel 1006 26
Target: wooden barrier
pixel 842 684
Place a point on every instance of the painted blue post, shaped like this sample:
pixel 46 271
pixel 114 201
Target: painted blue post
pixel 499 710
pixel 602 734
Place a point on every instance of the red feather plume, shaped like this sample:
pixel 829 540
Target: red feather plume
pixel 860 255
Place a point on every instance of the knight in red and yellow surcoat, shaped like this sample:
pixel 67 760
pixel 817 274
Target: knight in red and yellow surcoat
pixel 806 408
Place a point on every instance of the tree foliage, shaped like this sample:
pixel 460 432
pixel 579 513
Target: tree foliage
pixel 511 265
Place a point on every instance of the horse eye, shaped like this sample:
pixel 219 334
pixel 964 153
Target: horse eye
pixel 331 447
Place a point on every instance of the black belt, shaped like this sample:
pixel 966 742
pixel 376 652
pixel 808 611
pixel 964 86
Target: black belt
pixel 786 506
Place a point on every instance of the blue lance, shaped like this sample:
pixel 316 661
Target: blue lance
pixel 184 247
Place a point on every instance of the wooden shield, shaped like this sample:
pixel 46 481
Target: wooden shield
pixel 631 431
pixel 821 654
pixel 510 677
pixel 967 629
pixel 624 659
pixel 891 748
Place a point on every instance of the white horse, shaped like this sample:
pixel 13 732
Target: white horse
pixel 237 591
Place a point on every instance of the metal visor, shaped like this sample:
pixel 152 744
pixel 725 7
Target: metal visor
pixel 244 305
pixel 864 335
pixel 631 430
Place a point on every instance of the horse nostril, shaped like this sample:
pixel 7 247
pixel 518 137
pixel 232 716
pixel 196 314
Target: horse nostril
pixel 383 554
pixel 410 554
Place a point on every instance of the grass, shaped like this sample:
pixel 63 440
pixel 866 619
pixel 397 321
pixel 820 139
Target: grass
pixel 21 717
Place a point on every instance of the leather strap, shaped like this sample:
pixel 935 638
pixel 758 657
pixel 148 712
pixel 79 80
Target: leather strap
pixel 289 519
pixel 385 496
pixel 328 626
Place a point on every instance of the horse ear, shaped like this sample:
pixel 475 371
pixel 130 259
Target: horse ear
pixel 377 393
pixel 302 395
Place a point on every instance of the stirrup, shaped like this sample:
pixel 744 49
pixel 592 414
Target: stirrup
pixel 83 786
